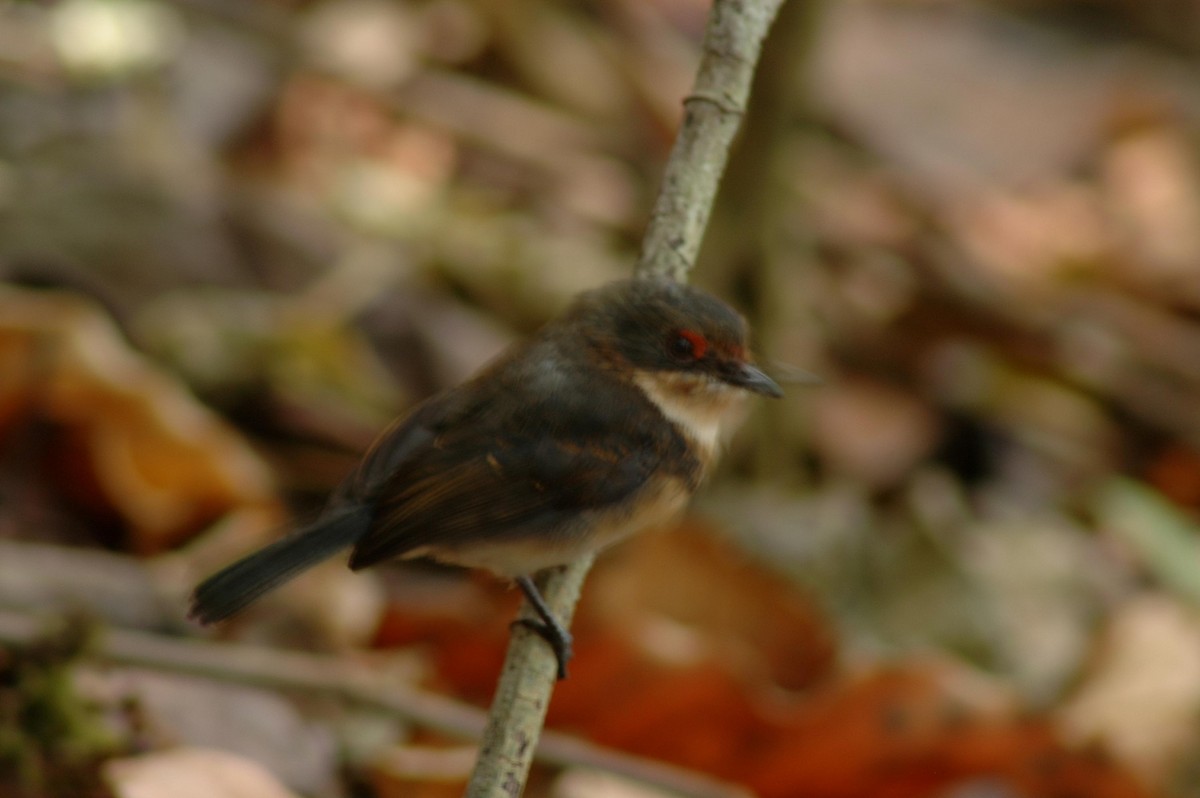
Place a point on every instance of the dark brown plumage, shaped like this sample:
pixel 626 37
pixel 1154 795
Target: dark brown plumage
pixel 602 424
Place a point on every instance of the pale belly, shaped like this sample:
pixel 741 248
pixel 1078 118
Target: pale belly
pixel 517 556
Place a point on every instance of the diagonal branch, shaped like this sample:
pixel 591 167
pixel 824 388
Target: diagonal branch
pixel 712 114
pixel 356 683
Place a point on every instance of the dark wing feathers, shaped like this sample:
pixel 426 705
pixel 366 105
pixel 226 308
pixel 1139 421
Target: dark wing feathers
pixel 513 487
pixel 405 439
pixel 523 453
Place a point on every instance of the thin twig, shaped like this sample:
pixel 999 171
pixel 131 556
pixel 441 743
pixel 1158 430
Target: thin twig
pixel 712 113
pixel 357 682
pixel 523 692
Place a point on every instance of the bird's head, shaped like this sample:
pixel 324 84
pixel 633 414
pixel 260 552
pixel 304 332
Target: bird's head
pixel 675 341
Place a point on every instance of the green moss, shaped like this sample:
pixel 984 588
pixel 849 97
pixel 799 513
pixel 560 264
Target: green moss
pixel 52 740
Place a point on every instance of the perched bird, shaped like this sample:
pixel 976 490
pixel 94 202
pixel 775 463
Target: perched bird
pixel 601 425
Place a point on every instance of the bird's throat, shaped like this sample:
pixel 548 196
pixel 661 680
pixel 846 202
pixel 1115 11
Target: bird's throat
pixel 694 403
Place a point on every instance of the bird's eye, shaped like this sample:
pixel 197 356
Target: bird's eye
pixel 686 345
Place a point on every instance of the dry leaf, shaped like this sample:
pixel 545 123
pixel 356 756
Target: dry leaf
pixel 1151 182
pixel 423 771
pixel 659 586
pixel 191 773
pixel 581 783
pixel 141 444
pixel 261 726
pixel 1143 697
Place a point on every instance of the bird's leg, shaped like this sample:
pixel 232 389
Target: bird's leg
pixel 548 627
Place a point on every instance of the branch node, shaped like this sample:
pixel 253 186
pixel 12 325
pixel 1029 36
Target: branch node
pixel 722 102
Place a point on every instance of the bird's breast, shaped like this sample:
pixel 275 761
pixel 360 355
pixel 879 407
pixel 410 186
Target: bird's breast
pixel 658 503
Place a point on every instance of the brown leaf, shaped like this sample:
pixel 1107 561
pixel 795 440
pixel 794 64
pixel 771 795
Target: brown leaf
pixel 192 773
pixel 140 444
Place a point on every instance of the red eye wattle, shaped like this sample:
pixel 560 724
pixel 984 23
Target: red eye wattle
pixel 687 345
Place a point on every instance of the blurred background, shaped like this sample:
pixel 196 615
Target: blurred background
pixel 237 237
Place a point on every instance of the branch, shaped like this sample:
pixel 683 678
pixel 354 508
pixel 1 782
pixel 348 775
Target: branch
pixel 712 113
pixel 359 683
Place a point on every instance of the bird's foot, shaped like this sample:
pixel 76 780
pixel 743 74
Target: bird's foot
pixel 548 627
pixel 560 640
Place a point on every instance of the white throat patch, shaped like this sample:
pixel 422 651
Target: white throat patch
pixel 694 402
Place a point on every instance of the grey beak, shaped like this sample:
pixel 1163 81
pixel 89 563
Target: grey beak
pixel 751 378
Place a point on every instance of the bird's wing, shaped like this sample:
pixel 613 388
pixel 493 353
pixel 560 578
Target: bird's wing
pixel 517 477
pixel 407 439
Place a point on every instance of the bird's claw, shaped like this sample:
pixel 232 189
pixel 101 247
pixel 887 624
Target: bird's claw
pixel 559 638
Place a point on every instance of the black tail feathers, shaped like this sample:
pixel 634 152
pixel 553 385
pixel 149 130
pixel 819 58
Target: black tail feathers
pixel 232 588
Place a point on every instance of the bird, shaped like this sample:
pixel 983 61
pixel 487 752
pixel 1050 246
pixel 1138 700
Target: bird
pixel 602 424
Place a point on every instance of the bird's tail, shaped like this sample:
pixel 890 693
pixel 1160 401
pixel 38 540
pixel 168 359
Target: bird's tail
pixel 232 588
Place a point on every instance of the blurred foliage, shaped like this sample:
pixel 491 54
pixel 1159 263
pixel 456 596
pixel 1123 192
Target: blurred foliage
pixel 979 222
pixel 52 738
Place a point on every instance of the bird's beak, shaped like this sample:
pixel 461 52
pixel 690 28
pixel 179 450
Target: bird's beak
pixel 751 378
